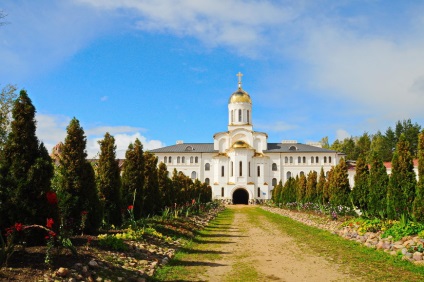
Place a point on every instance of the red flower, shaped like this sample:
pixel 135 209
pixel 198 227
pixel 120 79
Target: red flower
pixel 193 201
pixel 84 212
pixel 130 207
pixel 18 227
pixel 51 198
pixel 49 223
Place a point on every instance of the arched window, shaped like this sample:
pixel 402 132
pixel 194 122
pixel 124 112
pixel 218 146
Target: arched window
pixel 274 181
pixel 207 166
pixel 259 192
pixel 312 160
pixel 239 115
pixel 165 159
pixel 299 160
pixel 249 169
pixel 189 148
pixel 222 171
pixel 232 116
pixel 178 160
pixel 292 148
pixel 286 159
pixel 248 116
pixel 240 168
pixel 329 160
pixel 274 167
pixel 207 181
pixel 304 160
pixel 325 160
pixel 291 160
pixel 302 173
pixel 259 171
pixel 183 159
pixel 222 192
pixel 193 175
pixel 196 160
pixel 170 160
pixel 317 160
pixel 191 160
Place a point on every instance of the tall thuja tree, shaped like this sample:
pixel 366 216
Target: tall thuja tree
pixel 326 188
pixel 320 187
pixel 360 190
pixel 133 178
pixel 339 185
pixel 402 183
pixel 311 186
pixel 151 202
pixel 288 194
pixel 108 181
pixel 276 193
pixel 301 188
pixel 165 186
pixel 25 169
pixel 377 183
pixel 76 186
pixel 418 211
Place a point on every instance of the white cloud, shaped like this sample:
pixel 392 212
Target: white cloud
pixel 43 35
pixel 51 129
pixel 241 25
pixel 122 141
pixel 342 134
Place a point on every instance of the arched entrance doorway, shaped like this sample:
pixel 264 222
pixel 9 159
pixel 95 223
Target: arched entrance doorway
pixel 240 196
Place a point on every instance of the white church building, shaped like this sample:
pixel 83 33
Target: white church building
pixel 240 165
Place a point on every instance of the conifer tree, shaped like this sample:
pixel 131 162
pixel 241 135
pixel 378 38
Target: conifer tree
pixel 320 187
pixel 402 182
pixel 418 211
pixel 133 178
pixel 276 193
pixel 377 183
pixel 288 194
pixel 25 169
pixel 165 186
pixel 360 190
pixel 76 188
pixel 311 187
pixel 339 185
pixel 151 202
pixel 108 181
pixel 327 186
pixel 301 188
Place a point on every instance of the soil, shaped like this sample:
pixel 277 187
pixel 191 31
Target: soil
pixel 274 255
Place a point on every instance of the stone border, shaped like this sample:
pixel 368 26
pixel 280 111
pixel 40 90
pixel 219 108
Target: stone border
pixel 369 239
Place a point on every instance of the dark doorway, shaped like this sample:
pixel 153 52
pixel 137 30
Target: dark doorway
pixel 240 197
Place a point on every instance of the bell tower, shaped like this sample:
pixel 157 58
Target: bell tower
pixel 240 108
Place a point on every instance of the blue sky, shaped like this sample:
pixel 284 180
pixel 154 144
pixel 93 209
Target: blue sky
pixel 163 71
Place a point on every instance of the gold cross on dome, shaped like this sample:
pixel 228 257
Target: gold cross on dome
pixel 239 78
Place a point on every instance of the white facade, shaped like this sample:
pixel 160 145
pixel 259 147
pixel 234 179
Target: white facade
pixel 240 162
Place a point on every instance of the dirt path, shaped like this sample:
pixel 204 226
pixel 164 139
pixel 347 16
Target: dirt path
pixel 254 249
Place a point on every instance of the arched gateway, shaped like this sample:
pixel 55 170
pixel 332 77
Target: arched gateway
pixel 240 196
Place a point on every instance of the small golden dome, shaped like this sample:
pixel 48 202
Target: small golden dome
pixel 240 144
pixel 240 96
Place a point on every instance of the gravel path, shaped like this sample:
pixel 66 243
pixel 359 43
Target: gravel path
pixel 255 243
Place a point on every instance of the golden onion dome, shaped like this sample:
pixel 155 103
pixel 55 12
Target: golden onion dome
pixel 240 144
pixel 240 96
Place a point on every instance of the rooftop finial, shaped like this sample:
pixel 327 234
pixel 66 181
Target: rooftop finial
pixel 239 79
